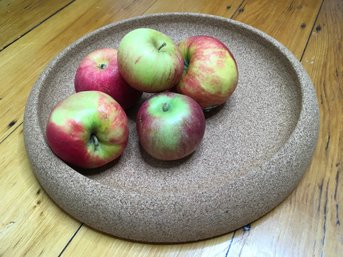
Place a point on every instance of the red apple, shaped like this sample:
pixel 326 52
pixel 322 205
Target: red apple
pixel 87 129
pixel 99 71
pixel 210 73
pixel 170 126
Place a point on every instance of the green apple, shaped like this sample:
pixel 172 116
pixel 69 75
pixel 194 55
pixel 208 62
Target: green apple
pixel 149 60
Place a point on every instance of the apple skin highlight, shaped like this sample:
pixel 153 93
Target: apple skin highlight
pixel 87 129
pixel 170 126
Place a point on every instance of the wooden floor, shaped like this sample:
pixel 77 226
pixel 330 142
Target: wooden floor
pixel 307 223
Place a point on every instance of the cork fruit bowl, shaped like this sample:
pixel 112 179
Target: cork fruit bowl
pixel 255 149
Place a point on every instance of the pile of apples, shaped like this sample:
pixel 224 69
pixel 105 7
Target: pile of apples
pixel 89 128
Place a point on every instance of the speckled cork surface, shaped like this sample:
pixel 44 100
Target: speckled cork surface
pixel 255 150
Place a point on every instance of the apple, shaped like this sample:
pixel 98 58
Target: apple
pixel 170 126
pixel 149 60
pixel 87 129
pixel 210 74
pixel 99 71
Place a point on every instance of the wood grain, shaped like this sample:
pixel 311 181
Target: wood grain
pixel 95 243
pixel 307 223
pixel 323 61
pixel 20 16
pixel 28 217
pixel 217 7
pixel 291 23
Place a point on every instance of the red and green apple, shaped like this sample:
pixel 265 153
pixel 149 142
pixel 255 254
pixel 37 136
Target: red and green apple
pixel 87 129
pixel 170 126
pixel 149 60
pixel 210 71
pixel 99 71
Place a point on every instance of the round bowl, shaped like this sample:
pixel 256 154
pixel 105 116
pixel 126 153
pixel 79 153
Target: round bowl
pixel 255 150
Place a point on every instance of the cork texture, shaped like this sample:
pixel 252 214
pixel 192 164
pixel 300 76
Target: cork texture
pixel 255 149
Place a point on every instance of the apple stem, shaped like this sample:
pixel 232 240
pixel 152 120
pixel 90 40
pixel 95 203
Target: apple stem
pixel 165 107
pixel 95 141
pixel 161 46
pixel 102 66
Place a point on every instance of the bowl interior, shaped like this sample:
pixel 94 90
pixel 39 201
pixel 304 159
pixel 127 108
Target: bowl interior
pixel 251 127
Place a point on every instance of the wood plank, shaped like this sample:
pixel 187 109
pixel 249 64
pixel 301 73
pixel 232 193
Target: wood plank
pixel 28 217
pixel 216 7
pixel 38 47
pixel 92 243
pixel 308 223
pixel 290 22
pixel 20 16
